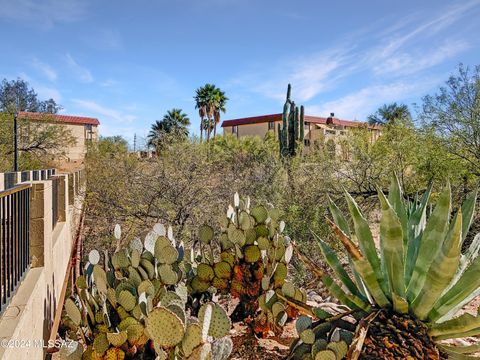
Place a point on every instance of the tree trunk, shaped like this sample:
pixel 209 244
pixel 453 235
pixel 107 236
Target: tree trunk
pixel 209 129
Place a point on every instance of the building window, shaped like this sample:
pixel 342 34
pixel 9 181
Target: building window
pixel 307 142
pixel 88 132
pixel 306 125
pixel 330 132
pixel 235 129
pixel 271 125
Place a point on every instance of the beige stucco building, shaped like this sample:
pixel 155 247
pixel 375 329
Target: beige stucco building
pixel 83 129
pixel 318 130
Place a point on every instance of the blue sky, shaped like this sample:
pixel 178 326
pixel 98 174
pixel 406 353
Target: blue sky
pixel 128 62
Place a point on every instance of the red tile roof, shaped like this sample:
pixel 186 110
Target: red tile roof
pixel 308 119
pixel 67 119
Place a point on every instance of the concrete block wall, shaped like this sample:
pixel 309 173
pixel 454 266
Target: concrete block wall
pixel 26 322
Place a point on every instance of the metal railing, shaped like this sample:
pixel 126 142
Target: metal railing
pixel 55 187
pixel 14 239
pixel 10 179
pixel 25 176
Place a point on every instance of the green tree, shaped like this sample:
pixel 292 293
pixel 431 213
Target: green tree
pixel 172 127
pixel 210 102
pixel 390 114
pixel 16 95
pixel 39 141
pixel 112 145
pixel 454 113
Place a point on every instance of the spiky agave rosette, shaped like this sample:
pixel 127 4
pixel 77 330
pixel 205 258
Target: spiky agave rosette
pixel 417 281
pixel 134 306
pixel 252 265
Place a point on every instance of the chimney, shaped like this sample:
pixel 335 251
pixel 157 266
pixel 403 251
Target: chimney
pixel 330 119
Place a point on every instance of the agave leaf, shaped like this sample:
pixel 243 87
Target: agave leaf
pixel 441 271
pixel 469 349
pixel 472 252
pixel 365 270
pixel 365 240
pixel 358 281
pixel 338 217
pixel 468 210
pixel 458 326
pixel 362 266
pixel 342 223
pixel 455 355
pixel 352 301
pixel 395 198
pixel 391 237
pixel 469 282
pixel 431 243
pixel 337 267
pixel 416 217
pixel 416 225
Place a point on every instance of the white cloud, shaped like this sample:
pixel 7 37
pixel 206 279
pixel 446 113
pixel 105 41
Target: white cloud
pixel 82 73
pixel 45 69
pixel 309 75
pixel 358 105
pixel 109 114
pixel 379 56
pixel 405 63
pixel 447 17
pixel 42 13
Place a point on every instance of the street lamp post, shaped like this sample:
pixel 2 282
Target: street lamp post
pixel 15 141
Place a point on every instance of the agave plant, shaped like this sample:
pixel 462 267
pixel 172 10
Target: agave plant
pixel 253 265
pixel 410 289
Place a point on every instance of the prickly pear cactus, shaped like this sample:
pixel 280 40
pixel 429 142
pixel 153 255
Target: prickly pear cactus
pixel 252 264
pixel 329 336
pixel 123 307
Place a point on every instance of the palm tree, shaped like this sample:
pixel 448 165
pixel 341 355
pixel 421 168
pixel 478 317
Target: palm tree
pixel 390 114
pixel 173 125
pixel 210 102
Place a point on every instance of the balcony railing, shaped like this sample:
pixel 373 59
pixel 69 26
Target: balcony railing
pixel 14 239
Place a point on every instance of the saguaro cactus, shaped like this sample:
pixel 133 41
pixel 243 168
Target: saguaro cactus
pixel 291 134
